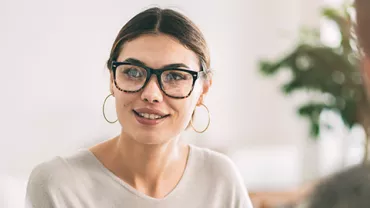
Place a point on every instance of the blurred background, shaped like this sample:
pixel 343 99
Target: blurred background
pixel 53 83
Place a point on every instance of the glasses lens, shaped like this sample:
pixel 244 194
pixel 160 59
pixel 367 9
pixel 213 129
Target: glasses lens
pixel 130 77
pixel 177 83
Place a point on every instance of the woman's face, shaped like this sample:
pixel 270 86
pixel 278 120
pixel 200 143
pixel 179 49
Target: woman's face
pixel 133 109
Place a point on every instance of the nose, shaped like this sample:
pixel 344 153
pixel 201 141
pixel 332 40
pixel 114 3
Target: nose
pixel 152 92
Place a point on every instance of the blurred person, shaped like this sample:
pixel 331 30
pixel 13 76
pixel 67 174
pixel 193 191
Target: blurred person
pixel 350 188
pixel 363 28
pixel 363 33
pixel 159 73
pixel 346 189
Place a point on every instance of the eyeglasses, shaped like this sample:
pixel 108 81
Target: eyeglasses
pixel 132 76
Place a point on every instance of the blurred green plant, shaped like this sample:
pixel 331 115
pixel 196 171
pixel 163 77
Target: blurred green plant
pixel 332 71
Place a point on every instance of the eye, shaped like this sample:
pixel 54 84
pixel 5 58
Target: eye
pixel 175 76
pixel 133 72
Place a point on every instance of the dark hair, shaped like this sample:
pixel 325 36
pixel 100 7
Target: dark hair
pixel 163 21
pixel 363 24
pixel 350 188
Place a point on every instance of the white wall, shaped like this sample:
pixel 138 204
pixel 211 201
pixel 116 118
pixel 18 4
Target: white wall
pixel 53 80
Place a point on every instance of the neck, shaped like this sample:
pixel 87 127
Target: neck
pixel 148 165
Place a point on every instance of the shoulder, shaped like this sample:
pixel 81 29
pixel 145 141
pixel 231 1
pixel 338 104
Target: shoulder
pixel 41 182
pixel 45 173
pixel 224 174
pixel 216 162
pixel 56 177
pixel 58 167
pixel 54 173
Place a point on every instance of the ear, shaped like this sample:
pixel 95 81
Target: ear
pixel 111 83
pixel 206 85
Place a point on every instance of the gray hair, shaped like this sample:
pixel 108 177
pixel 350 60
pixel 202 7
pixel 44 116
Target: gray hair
pixel 347 189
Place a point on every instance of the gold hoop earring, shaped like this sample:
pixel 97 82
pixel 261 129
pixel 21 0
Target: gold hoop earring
pixel 105 117
pixel 209 121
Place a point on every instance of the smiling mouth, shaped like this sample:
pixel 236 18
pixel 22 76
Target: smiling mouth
pixel 150 116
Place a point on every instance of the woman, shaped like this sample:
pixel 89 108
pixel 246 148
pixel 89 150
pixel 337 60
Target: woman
pixel 158 75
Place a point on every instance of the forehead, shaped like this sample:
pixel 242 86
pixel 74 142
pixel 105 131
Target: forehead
pixel 157 51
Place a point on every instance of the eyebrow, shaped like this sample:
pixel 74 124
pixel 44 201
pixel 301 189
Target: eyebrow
pixel 175 65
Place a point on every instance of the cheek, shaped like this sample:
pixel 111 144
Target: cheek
pixel 184 108
pixel 183 114
pixel 124 102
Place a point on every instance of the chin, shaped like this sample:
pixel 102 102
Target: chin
pixel 150 139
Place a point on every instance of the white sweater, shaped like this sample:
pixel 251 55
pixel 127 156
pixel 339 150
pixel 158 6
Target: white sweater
pixel 210 180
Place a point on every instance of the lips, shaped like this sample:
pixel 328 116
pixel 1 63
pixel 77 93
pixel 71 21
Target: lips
pixel 150 111
pixel 151 114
